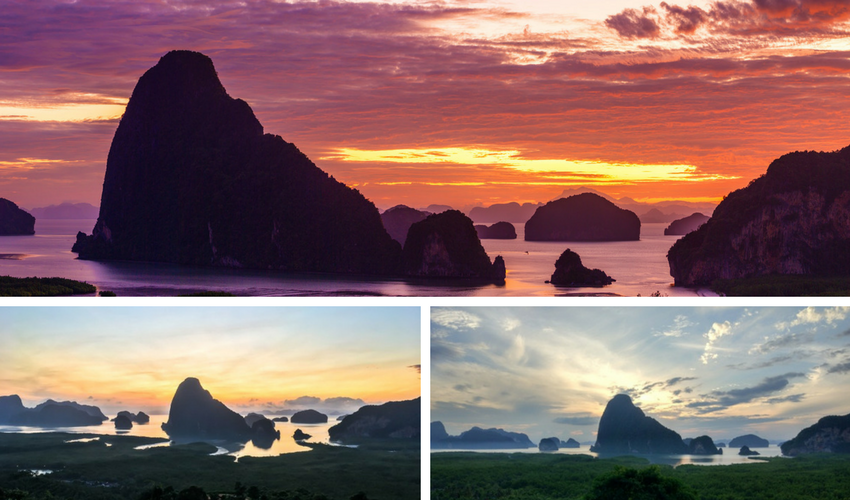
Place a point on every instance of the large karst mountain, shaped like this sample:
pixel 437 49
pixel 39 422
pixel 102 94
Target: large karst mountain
pixel 192 179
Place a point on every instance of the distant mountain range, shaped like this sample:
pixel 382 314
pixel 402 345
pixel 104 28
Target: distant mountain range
pixel 66 211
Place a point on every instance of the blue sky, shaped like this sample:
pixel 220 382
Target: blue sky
pixel 717 371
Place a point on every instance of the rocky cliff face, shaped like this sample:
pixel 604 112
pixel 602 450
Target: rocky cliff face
pixel 192 179
pixel 624 428
pixel 549 444
pixel 14 221
pixel 583 217
pixel 445 245
pixel 829 435
pixel 795 219
pixel 703 445
pixel 195 414
pixel 393 420
pixel 686 225
pixel 569 271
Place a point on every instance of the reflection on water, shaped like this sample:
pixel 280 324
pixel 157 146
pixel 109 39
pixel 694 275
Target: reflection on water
pixel 729 456
pixel 640 267
pixel 285 444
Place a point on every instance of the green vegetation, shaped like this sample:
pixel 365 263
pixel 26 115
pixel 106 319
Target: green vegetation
pixel 110 468
pixel 783 285
pixel 42 287
pixel 522 476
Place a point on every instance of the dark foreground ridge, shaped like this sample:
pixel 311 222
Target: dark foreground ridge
pixel 793 220
pixel 192 179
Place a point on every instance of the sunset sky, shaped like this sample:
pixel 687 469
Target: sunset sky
pixel 453 102
pixel 251 358
pixel 724 372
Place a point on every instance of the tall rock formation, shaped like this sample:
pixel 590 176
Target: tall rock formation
pixel 795 219
pixel 829 435
pixel 195 414
pixel 445 245
pixel 583 217
pixel 15 221
pixel 624 428
pixel 192 179
pixel 392 420
pixel 569 271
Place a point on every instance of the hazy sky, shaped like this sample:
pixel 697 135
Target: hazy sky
pixel 724 372
pixel 251 358
pixel 458 102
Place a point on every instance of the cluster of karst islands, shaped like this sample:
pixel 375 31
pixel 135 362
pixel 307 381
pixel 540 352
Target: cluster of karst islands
pixel 195 415
pixel 625 429
pixel 191 178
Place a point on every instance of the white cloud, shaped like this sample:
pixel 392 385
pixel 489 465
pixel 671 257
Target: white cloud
pixel 455 319
pixel 677 329
pixel 811 315
pixel 717 331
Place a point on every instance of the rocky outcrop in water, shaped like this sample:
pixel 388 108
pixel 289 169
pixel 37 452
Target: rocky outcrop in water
pixel 48 414
pixel 308 417
pixel 549 444
pixel 15 221
pixel 750 440
pixel 192 179
pixel 263 433
pixel 393 420
pixel 795 219
pixel 398 219
pixel 570 443
pixel 122 422
pixel 136 418
pixel 280 419
pixel 583 217
pixel 438 431
pixel 477 438
pixel 829 435
pixel 746 451
pixel 253 417
pixel 194 413
pixel 300 435
pixel 686 225
pixel 703 445
pixel 624 428
pixel 569 271
pixel 445 245
pixel 498 231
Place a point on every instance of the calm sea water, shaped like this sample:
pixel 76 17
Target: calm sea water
pixel 729 456
pixel 640 267
pixel 285 444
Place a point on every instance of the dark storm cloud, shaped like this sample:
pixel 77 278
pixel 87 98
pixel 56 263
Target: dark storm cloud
pixel 577 419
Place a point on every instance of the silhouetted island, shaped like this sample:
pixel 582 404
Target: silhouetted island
pixel 570 443
pixel 549 444
pixel 510 212
pixel 569 271
pixel 308 417
pixel 263 433
pixel 624 428
pixel 686 225
pixel 123 422
pixel 195 414
pixel 392 420
pixel 280 419
pixel 499 231
pixel 829 435
pixel 253 417
pixel 703 445
pixel 477 438
pixel 15 221
pixel 300 435
pixel 48 414
pixel 746 451
pixel 583 217
pixel 136 418
pixel 192 179
pixel 795 219
pixel 445 245
pixel 750 440
pixel 398 219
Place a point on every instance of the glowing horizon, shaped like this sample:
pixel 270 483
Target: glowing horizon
pixel 252 359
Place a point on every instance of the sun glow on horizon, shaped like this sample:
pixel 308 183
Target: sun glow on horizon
pixel 79 107
pixel 585 171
